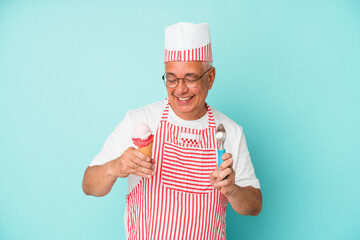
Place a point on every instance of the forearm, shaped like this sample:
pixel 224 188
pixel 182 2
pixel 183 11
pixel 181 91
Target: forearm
pixel 246 200
pixel 98 180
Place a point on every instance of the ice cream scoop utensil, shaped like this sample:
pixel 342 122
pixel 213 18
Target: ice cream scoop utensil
pixel 220 138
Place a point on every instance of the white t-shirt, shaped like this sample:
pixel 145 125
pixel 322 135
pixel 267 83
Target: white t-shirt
pixel 120 139
pixel 235 143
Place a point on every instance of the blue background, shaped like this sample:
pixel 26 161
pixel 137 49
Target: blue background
pixel 287 71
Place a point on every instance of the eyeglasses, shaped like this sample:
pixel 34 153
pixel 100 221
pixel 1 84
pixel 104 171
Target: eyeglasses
pixel 190 80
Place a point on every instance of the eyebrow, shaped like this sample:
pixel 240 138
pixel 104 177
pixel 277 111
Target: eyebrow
pixel 187 74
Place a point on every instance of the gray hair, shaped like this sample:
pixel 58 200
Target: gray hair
pixel 207 65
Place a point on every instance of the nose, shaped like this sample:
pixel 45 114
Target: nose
pixel 181 87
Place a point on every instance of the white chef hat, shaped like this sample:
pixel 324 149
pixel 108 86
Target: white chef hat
pixel 187 42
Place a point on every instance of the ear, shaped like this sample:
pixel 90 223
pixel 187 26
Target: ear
pixel 212 73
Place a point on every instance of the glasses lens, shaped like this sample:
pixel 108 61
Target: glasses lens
pixel 191 81
pixel 170 81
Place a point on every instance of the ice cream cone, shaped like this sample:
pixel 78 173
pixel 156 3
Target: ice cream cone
pixel 147 149
pixel 143 138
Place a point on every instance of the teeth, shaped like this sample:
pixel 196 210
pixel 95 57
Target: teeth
pixel 183 99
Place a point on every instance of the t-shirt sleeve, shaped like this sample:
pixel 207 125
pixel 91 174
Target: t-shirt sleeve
pixel 118 141
pixel 243 167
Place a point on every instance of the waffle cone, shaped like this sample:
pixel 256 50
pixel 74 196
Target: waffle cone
pixel 147 149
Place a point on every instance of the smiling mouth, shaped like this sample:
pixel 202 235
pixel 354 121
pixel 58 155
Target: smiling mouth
pixel 184 99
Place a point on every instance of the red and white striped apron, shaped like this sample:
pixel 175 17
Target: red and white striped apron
pixel 179 202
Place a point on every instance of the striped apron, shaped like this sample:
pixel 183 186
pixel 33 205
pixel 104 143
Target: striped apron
pixel 179 202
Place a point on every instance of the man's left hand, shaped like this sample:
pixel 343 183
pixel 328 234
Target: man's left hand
pixel 217 177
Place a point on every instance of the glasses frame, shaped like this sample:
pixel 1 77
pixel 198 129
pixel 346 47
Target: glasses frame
pixel 183 79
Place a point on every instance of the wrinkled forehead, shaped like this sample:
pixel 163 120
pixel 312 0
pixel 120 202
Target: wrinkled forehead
pixel 184 67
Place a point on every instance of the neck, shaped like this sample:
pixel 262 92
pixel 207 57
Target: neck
pixel 191 115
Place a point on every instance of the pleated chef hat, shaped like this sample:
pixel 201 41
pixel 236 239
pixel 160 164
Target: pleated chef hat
pixel 187 42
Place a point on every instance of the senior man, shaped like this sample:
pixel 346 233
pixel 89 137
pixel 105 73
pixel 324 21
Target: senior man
pixel 168 196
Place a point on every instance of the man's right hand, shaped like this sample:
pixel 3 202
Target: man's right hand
pixel 99 179
pixel 132 161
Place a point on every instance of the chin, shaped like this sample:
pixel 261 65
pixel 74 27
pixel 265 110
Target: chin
pixel 181 109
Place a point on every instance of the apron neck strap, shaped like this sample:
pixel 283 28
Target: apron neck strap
pixel 211 119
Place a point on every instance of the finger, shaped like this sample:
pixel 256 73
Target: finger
pixel 224 173
pixel 224 183
pixel 215 186
pixel 148 165
pixel 226 156
pixel 140 155
pixel 145 171
pixel 134 158
pixel 214 175
pixel 142 172
pixel 226 164
pixel 138 166
pixel 146 161
pixel 131 166
pixel 213 179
